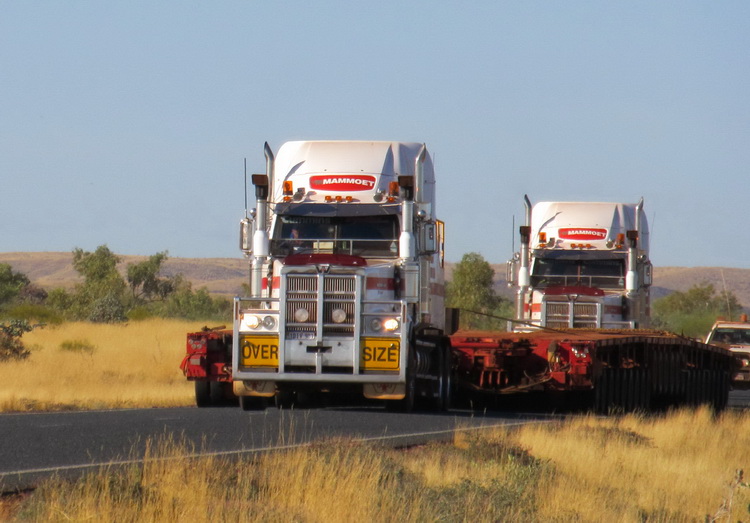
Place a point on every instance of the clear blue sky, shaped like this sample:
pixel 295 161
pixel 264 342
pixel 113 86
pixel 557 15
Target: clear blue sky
pixel 126 123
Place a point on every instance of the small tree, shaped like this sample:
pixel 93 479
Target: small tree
pixel 144 281
pixel 693 312
pixel 471 289
pixel 187 303
pixel 11 283
pixel 11 346
pixel 101 296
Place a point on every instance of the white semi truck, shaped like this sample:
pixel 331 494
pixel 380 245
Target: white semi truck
pixel 582 265
pixel 346 278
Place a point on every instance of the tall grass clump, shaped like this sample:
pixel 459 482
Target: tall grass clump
pixel 634 468
pixel 84 365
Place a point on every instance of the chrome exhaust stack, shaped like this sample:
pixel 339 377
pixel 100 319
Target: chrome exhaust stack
pixel 631 277
pixel 524 278
pixel 263 185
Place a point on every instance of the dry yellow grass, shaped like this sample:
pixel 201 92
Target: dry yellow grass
pixel 128 365
pixel 676 468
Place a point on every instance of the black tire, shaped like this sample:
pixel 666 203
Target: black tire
pixel 216 391
pixel 616 401
pixel 447 391
pixel 646 391
pixel 202 393
pixel 442 393
pixel 284 399
pixel 253 402
pixel 600 392
pixel 630 385
pixel 409 401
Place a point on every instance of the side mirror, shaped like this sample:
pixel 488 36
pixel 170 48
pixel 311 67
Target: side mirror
pixel 647 274
pixel 246 236
pixel 428 241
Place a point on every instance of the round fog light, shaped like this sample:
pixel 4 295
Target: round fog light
pixel 269 322
pixel 375 325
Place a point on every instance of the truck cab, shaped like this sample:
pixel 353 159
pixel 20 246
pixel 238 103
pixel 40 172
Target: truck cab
pixel 346 277
pixel 582 265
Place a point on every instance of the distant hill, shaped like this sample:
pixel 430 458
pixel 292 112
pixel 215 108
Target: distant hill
pixel 225 276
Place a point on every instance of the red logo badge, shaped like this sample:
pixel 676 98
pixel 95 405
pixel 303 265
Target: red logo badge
pixel 583 234
pixel 342 182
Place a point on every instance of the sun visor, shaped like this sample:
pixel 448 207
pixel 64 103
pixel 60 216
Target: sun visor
pixel 579 255
pixel 336 209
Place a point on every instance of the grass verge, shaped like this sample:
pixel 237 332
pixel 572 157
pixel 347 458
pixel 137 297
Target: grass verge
pixel 679 467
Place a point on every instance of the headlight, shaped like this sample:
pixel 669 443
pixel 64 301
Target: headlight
pixel 251 321
pixel 254 322
pixel 391 324
pixel 384 324
pixel 338 315
pixel 301 315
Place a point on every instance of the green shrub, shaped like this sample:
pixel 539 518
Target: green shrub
pixel 140 313
pixel 11 346
pixel 35 313
pixel 78 346
pixel 108 309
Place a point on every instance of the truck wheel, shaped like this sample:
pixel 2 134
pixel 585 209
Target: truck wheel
pixel 252 402
pixel 601 392
pixel 202 393
pixel 407 404
pixel 285 399
pixel 216 391
pixel 444 382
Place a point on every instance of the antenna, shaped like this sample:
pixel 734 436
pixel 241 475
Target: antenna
pixel 246 187
pixel 726 295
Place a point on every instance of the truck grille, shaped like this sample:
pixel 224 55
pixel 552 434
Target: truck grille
pixel 325 292
pixel 558 315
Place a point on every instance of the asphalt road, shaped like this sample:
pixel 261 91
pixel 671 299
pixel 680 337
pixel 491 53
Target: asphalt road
pixel 37 445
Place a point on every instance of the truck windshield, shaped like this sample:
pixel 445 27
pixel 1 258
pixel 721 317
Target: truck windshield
pixel 603 274
pixel 730 336
pixel 366 236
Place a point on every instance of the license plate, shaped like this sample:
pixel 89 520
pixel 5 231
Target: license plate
pixel 259 351
pixel 380 354
pixel 300 335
